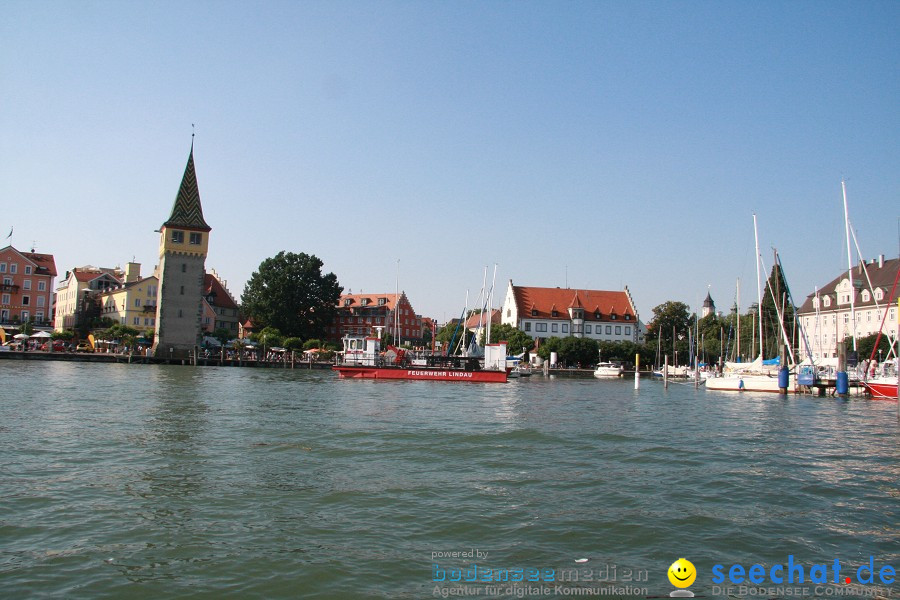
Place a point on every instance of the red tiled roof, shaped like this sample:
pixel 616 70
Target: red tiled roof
pixel 371 301
pixel 222 298
pixel 545 300
pixel 43 261
pixel 472 322
pixel 85 276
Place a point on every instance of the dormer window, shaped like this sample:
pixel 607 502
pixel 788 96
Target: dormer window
pixel 879 294
pixel 827 300
pixel 627 317
pixel 554 313
pixel 613 317
pixel 597 315
pixel 347 301
pixel 382 301
pixel 865 296
pixel 364 302
pixel 533 312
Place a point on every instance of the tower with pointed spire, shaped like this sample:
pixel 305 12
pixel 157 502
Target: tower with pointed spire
pixel 709 307
pixel 183 245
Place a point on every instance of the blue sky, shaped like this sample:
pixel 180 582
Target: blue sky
pixel 594 144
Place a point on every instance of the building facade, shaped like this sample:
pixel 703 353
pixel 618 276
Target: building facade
pixel 134 302
pixel 183 245
pixel 26 288
pixel 78 291
pixel 220 311
pixel 360 314
pixel 839 310
pixel 560 312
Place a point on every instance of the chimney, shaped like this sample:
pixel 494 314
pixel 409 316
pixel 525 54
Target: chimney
pixel 132 272
pixel 881 261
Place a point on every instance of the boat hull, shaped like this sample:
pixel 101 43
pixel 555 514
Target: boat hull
pixel 882 391
pixel 747 383
pixel 420 374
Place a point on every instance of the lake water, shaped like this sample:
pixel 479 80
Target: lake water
pixel 152 481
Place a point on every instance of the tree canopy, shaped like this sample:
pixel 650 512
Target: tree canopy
pixel 516 341
pixel 290 293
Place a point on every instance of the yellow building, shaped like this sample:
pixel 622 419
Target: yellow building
pixel 134 302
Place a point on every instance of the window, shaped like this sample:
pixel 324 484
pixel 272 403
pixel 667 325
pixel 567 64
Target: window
pixel 137 302
pixel 42 286
pixel 618 330
pixel 628 331
pixel 25 315
pixel 347 301
pixel 587 328
pixel 865 296
pixel 4 315
pixel 26 300
pixel 627 317
pixel 5 299
pixel 364 302
pixel 2 267
pixel 609 330
pixel 41 300
pixel 184 267
pixel 26 284
pixel 196 238
pixel 533 312
pixel 28 269
pixel 565 328
pixel 182 290
pixel 382 301
pixel 146 322
pixel 508 312
pixel 540 327
pixel 613 317
pixel 554 327
pixel 527 326
pixel 137 320
pixel 879 294
pixel 14 268
pixel 597 315
pixel 180 313
pixel 39 315
pixel 554 314
pixel 177 237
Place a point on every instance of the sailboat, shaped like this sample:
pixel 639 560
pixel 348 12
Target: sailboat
pixel 754 376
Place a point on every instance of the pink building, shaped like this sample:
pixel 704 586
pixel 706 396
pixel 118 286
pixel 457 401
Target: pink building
pixel 26 288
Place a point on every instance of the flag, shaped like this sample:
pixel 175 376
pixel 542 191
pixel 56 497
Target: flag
pixel 10 233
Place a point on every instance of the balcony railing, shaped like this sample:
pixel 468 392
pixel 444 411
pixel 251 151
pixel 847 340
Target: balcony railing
pixel 8 287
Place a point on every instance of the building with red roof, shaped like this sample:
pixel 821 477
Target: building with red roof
pixel 26 287
pixel 560 312
pixel 220 311
pixel 360 314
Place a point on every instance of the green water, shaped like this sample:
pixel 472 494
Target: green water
pixel 177 482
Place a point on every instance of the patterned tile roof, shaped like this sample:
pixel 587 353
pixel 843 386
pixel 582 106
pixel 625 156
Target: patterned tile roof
pixel 187 211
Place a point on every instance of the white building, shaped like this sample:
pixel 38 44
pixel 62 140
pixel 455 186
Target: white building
pixel 80 286
pixel 826 314
pixel 561 312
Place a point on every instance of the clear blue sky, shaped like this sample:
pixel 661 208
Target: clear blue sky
pixel 599 144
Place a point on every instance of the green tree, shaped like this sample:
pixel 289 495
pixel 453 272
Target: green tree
pixel 66 335
pixel 516 340
pixel 669 328
pixel 578 351
pixel 293 343
pixel 268 336
pixel 289 292
pixel 222 335
pixel 312 344
pixel 547 346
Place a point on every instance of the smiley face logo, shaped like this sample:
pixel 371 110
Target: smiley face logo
pixel 682 573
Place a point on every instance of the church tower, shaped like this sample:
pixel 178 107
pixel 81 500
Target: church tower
pixel 183 244
pixel 709 307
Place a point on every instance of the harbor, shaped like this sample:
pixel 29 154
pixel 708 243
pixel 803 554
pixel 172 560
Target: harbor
pixel 182 482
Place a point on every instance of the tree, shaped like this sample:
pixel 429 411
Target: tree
pixel 289 292
pixel 578 351
pixel 268 336
pixel 222 334
pixel 776 290
pixel 516 340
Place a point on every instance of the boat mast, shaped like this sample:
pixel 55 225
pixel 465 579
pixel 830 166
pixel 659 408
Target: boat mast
pixel 487 337
pixel 849 266
pixel 758 288
pixel 737 310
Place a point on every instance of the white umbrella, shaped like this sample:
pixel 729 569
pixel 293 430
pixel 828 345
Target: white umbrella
pixel 41 334
pixel 21 336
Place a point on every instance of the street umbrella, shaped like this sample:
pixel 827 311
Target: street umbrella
pixel 21 336
pixel 41 334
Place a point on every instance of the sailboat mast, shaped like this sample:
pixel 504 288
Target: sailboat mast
pixel 737 310
pixel 849 266
pixel 758 287
pixel 487 339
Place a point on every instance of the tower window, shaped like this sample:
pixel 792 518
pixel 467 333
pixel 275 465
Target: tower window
pixel 196 238
pixel 184 267
pixel 182 290
pixel 177 237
